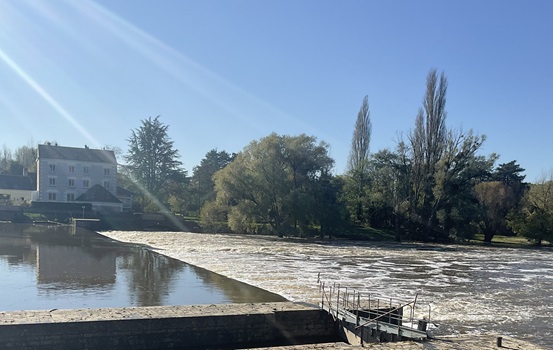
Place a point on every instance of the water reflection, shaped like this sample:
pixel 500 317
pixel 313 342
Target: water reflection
pixel 151 276
pixel 75 266
pixel 17 251
pixel 45 267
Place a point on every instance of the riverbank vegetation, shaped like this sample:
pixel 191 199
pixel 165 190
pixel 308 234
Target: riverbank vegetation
pixel 434 184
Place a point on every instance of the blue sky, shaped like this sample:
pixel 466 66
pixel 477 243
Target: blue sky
pixel 224 73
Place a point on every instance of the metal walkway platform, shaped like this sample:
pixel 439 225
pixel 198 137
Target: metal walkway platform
pixel 368 318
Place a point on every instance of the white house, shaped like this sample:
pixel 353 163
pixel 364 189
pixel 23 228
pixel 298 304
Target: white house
pixel 16 190
pixel 67 173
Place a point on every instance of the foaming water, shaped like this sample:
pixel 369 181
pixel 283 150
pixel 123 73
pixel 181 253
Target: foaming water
pixel 470 289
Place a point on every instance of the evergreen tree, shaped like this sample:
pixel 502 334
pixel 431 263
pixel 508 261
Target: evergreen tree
pixel 202 185
pixel 153 162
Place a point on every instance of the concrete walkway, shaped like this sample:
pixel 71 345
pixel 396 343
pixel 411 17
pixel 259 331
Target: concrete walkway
pixel 461 342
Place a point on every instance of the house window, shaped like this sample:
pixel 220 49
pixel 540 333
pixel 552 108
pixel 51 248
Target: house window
pixel 86 183
pixel 71 169
pixel 71 197
pixel 86 170
pixel 52 168
pixel 52 181
pixel 106 184
pixel 51 196
pixel 71 182
pixel 106 171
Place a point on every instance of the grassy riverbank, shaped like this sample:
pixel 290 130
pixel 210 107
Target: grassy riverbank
pixel 508 241
pixel 372 234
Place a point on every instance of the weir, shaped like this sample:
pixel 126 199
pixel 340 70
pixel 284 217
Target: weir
pixel 288 325
pixel 222 326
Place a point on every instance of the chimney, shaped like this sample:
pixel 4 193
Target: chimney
pixel 25 171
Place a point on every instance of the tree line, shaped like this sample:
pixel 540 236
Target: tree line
pixel 433 185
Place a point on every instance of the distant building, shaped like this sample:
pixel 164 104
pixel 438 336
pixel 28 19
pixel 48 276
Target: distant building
pixel 70 174
pixel 101 199
pixel 126 197
pixel 16 190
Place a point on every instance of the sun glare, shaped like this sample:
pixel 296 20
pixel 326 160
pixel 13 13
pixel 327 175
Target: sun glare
pixel 77 18
pixel 46 96
pixel 236 101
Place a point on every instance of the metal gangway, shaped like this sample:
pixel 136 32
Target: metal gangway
pixel 368 317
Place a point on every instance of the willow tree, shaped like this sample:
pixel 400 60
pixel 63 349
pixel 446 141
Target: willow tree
pixel 535 219
pixel 275 183
pixel 496 199
pixel 358 162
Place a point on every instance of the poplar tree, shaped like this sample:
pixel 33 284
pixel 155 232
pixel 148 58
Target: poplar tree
pixel 358 162
pixel 444 166
pixel 428 142
pixel 360 142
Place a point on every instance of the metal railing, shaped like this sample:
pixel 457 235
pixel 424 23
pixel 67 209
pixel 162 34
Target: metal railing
pixel 370 310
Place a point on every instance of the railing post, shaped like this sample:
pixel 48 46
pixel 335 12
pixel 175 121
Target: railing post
pixel 346 296
pixel 361 335
pixel 390 315
pixel 357 312
pixel 337 300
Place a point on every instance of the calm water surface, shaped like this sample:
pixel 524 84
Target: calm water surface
pixel 47 267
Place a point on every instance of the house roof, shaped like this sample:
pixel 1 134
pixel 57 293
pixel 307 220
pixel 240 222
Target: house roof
pixel 73 153
pixel 16 182
pixel 124 192
pixel 97 193
pixel 32 176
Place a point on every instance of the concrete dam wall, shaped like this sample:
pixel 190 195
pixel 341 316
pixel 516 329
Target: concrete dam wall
pixel 166 327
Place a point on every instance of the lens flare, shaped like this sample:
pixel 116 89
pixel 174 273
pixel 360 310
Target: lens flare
pixel 47 97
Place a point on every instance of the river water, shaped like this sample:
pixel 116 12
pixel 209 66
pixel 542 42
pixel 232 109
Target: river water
pixel 470 289
pixel 53 267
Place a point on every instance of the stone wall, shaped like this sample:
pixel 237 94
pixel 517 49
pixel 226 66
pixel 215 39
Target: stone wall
pixel 165 327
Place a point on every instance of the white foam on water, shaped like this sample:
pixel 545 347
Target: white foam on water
pixel 469 289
